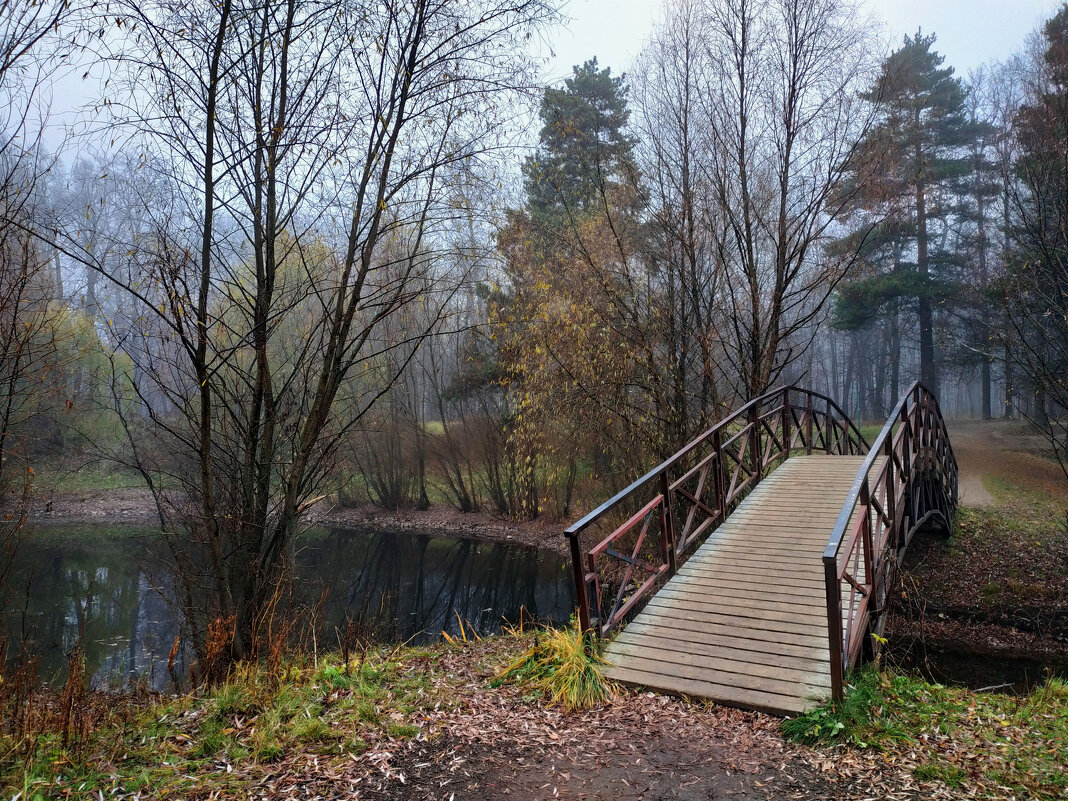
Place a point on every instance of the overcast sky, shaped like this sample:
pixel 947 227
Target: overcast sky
pixel 970 32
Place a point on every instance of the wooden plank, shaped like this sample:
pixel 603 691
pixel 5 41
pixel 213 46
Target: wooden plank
pixel 676 672
pixel 785 518
pixel 740 674
pixel 727 695
pixel 792 562
pixel 690 598
pixel 794 619
pixel 683 631
pixel 767 655
pixel 737 620
pixel 764 550
pixel 774 537
pixel 716 594
pixel 806 640
pixel 749 658
pixel 809 581
pixel 757 535
pixel 760 527
pixel 737 584
pixel 768 566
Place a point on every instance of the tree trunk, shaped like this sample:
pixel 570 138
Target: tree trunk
pixel 1010 401
pixel 895 356
pixel 928 372
pixel 987 408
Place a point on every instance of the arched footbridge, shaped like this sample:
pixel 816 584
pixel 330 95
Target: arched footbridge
pixel 754 565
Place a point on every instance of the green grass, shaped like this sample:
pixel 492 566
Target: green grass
pixel 947 774
pixel 951 736
pixel 870 431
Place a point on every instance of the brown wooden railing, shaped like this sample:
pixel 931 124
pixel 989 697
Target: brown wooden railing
pixel 908 480
pixel 654 522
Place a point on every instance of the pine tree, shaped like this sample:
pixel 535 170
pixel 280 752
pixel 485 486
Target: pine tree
pixel 921 145
pixel 583 149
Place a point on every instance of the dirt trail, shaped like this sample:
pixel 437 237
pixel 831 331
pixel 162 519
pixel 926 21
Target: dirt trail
pixel 998 451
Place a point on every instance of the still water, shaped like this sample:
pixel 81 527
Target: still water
pixel 105 586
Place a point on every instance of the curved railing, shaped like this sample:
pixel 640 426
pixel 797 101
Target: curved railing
pixel 654 522
pixel 909 479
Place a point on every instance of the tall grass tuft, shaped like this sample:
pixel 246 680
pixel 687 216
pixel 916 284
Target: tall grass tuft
pixel 564 665
pixel 847 720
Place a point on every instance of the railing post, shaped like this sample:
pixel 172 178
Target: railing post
pixel 834 625
pixel 667 525
pixel 786 414
pixel 717 478
pixel 808 425
pixel 580 583
pixel 906 446
pixel 754 443
pixel 870 566
pixel 891 490
pixel 830 431
pixel 917 422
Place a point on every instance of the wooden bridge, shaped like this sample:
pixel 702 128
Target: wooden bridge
pixel 753 566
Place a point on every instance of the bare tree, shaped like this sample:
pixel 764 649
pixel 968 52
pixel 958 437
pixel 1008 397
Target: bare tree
pixel 785 119
pixel 1036 283
pixel 30 48
pixel 313 149
pixel 674 144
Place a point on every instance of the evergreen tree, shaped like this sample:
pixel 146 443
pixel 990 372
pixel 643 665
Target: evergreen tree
pixel 583 149
pixel 921 144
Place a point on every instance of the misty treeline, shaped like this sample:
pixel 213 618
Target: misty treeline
pixel 300 253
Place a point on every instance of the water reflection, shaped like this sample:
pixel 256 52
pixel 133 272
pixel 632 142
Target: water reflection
pixel 402 587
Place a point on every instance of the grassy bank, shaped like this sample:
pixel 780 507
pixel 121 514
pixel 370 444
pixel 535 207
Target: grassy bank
pixel 987 744
pixel 227 740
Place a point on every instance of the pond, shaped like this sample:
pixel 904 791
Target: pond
pixel 402 587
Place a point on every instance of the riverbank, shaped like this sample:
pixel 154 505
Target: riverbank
pixel 130 506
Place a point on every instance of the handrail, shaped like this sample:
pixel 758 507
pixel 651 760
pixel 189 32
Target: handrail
pixel 854 492
pixel 585 521
pixel 907 479
pixel 770 427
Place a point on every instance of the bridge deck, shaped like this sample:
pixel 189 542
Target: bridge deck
pixel 744 621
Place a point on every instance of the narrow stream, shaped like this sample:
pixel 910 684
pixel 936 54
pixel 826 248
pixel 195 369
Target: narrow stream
pixel 98 583
pixel 958 667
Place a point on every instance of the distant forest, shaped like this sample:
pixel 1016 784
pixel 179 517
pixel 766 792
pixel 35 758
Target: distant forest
pixel 299 252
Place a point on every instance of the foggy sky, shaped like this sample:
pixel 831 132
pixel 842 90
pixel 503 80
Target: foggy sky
pixel 970 32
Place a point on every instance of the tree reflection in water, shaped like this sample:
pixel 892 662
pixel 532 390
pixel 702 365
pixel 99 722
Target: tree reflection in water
pixel 401 587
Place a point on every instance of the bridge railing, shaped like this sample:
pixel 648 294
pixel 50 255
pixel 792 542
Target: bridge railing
pixel 908 479
pixel 643 532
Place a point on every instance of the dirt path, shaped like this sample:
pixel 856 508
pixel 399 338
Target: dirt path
pixel 973 461
pixel 996 452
